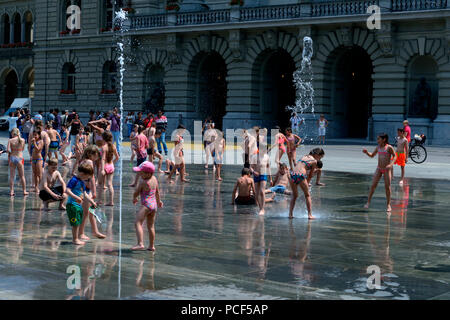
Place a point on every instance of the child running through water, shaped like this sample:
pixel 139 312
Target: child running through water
pixel 76 191
pixel 37 145
pixel 301 177
pixel 245 186
pixel 15 148
pixel 148 189
pixel 402 152
pixel 110 157
pixel 386 159
pixel 49 192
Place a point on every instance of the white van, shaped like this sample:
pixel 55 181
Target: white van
pixel 18 103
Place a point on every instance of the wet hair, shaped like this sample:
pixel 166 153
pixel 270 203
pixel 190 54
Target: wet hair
pixel 181 127
pixel 107 136
pixel 317 151
pixel 289 130
pixel 38 132
pixel 283 165
pixel 245 172
pixel 52 162
pixel 384 136
pixel 15 132
pixel 86 168
pixel 140 129
pixel 401 130
pixel 90 151
pixel 49 125
pixel 319 164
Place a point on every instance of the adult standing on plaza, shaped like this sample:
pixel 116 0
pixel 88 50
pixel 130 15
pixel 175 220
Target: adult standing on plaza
pixel 75 125
pixel 139 121
pixel 64 117
pixel 407 129
pixel 57 121
pixel 296 121
pixel 115 127
pixel 130 121
pixel 161 125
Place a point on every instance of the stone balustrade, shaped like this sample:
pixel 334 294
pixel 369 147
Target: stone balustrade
pixel 282 12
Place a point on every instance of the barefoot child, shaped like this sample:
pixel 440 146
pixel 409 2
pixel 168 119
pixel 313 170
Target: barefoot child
pixel 179 156
pixel 300 177
pixel 322 123
pixel 386 159
pixel 152 151
pixel 64 133
pixel 150 200
pixel 91 154
pixel 245 187
pixel 111 156
pixel 76 190
pixel 15 148
pixel 141 153
pixel 280 183
pixel 55 138
pixel 49 193
pixel 260 167
pixel 37 145
pixel 293 141
pixel 133 143
pixel 402 152
pixel 219 149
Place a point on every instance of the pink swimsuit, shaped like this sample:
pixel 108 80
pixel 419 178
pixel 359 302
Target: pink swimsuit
pixel 109 168
pixel 148 198
pixel 382 151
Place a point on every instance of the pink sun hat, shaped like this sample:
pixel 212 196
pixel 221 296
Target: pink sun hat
pixel 145 166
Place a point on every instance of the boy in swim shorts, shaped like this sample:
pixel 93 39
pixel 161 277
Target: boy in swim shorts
pixel 402 152
pixel 245 186
pixel 280 183
pixel 76 191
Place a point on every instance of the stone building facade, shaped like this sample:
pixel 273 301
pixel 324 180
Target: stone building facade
pixel 235 62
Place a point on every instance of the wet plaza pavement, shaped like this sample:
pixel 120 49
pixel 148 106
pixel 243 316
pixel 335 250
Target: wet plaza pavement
pixel 208 249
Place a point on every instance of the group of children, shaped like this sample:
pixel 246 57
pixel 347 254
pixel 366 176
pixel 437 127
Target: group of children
pixel 95 156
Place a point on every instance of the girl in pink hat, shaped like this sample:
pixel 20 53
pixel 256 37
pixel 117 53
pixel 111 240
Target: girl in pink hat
pixel 150 201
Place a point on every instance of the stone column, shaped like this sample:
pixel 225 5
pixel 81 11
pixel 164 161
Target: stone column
pixel 23 32
pixel 11 32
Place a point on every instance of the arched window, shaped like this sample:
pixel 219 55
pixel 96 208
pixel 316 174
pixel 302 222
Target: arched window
pixel 109 9
pixel 75 25
pixel 68 78
pixel 29 27
pixel 6 28
pixel 154 90
pixel 109 83
pixel 17 28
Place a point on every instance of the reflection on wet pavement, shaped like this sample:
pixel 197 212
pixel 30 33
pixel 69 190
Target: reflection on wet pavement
pixel 208 249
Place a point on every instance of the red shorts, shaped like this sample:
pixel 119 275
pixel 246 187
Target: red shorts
pixel 401 159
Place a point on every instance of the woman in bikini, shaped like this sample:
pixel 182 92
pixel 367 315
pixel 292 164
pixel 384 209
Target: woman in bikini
pixel 301 177
pixel 293 141
pixel 15 148
pixel 386 159
pixel 37 144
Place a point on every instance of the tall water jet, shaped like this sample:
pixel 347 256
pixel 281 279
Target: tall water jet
pixel 119 22
pixel 303 81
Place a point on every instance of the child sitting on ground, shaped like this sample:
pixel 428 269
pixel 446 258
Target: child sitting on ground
pixel 150 200
pixel 76 190
pixel 49 193
pixel 245 186
pixel 280 183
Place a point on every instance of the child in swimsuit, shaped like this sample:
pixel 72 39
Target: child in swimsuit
pixel 90 155
pixel 280 183
pixel 142 146
pixel 322 124
pixel 15 148
pixel 152 151
pixel 179 156
pixel 402 152
pixel 280 141
pixel 386 159
pixel 245 188
pixel 37 144
pixel 54 140
pixel 300 177
pixel 111 156
pixel 64 134
pixel 49 193
pixel 292 146
pixel 260 166
pixel 150 201
pixel 133 144
pixel 219 147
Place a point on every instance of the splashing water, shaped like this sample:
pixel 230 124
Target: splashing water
pixel 303 81
pixel 120 18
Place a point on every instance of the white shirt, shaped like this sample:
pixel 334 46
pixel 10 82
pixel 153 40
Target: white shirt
pixel 295 121
pixel 13 123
